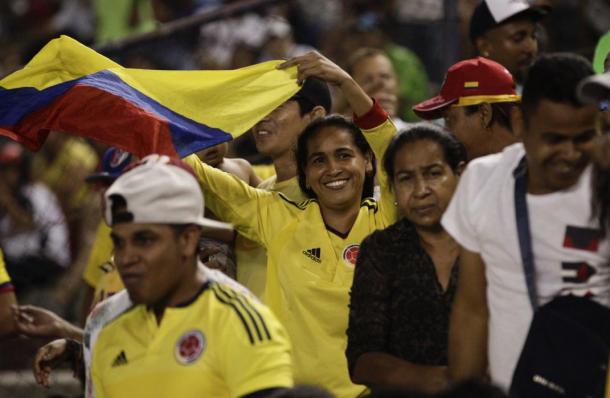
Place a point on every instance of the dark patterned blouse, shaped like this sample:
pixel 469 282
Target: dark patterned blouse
pixel 397 304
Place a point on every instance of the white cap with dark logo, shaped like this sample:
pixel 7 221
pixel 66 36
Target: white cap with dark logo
pixel 595 88
pixel 157 190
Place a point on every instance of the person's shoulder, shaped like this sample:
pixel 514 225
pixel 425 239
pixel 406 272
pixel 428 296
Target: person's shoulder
pixel 238 313
pixel 104 313
pixel 492 171
pixel 398 233
pixel 497 161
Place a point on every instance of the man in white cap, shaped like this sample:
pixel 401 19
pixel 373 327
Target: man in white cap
pixel 505 31
pixel 179 329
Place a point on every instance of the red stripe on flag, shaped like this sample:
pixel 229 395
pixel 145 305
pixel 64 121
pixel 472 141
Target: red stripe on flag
pixel 96 114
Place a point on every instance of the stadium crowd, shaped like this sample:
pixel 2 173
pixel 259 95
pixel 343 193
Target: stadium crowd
pixel 427 216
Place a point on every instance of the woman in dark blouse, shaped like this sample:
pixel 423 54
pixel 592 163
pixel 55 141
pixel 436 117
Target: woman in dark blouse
pixel 406 274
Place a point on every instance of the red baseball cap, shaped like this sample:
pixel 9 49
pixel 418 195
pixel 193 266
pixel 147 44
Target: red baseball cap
pixel 470 82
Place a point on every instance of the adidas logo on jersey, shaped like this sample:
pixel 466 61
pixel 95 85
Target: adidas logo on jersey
pixel 120 359
pixel 313 254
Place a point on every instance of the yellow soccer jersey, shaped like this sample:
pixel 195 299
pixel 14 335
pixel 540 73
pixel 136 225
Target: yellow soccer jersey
pixel 308 280
pixel 252 257
pixel 5 280
pixel 223 343
pixel 109 284
pixel 99 257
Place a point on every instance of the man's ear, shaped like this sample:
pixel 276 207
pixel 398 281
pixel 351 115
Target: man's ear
pixel 517 121
pixel 483 46
pixel 486 112
pixel 317 112
pixel 189 240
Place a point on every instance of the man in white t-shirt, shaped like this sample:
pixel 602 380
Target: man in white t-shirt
pixel 492 312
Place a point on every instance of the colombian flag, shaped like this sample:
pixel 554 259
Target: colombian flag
pixel 70 88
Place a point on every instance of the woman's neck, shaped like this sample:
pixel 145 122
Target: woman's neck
pixel 341 220
pixel 435 237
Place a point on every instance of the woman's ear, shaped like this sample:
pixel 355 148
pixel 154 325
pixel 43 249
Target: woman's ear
pixel 369 159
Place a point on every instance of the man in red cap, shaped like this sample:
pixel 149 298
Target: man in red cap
pixel 476 101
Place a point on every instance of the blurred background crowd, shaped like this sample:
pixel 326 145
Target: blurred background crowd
pixel 421 37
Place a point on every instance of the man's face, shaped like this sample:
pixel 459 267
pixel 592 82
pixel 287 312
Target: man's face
pixel 148 258
pixel 554 138
pixel 513 45
pixel 277 133
pixel 468 128
pixel 377 77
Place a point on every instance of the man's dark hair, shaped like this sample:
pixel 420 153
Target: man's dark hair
pixel 314 92
pixel 339 122
pixel 500 112
pixel 554 77
pixel 453 150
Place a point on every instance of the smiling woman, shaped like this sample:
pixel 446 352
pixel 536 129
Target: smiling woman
pixel 406 274
pixel 312 246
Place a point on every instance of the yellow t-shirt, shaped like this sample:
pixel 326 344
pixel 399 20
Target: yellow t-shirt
pixel 222 344
pixel 264 171
pixel 252 257
pixel 5 280
pixel 308 279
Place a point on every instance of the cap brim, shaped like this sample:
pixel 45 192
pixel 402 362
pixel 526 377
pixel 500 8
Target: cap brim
pixel 100 178
pixel 432 108
pixel 595 88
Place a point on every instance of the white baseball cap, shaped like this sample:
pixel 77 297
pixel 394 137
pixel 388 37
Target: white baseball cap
pixel 157 190
pixel 595 88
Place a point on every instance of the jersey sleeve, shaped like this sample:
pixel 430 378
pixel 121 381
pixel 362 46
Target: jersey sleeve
pixel 5 280
pixel 255 213
pixel 254 351
pixel 458 218
pixel 378 129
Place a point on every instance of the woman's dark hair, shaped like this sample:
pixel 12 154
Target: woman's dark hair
pixel 338 122
pixel 453 150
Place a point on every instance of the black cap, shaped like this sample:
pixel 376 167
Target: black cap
pixel 316 92
pixel 482 19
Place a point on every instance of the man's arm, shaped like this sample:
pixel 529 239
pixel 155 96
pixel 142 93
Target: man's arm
pixel 7 323
pixel 35 321
pixel 468 321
